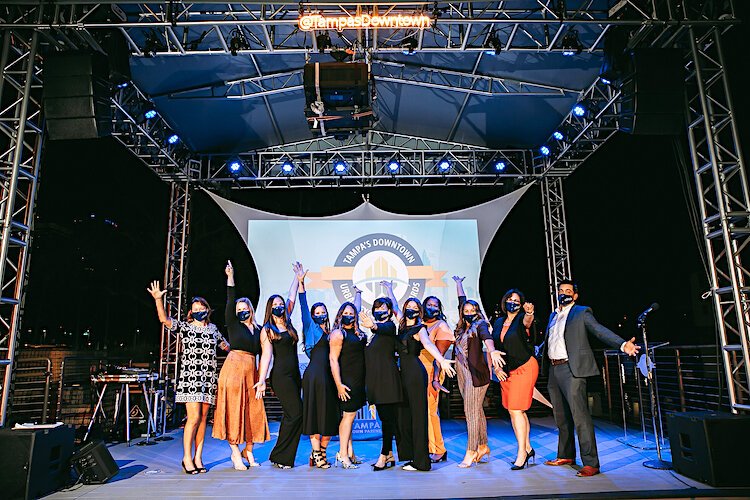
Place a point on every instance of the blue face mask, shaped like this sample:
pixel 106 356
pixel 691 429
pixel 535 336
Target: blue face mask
pixel 199 315
pixel 470 318
pixel 278 311
pixel 347 320
pixel 381 315
pixel 411 313
pixel 512 307
pixel 431 312
pixel 320 318
pixel 564 300
pixel 243 315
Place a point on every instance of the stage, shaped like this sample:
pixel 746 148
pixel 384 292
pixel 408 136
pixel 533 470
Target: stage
pixel 154 472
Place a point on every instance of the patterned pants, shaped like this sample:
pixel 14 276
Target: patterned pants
pixel 473 410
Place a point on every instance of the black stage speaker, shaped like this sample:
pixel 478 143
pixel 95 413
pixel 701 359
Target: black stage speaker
pixel 77 95
pixel 342 85
pixel 653 94
pixel 94 463
pixel 34 463
pixel 707 446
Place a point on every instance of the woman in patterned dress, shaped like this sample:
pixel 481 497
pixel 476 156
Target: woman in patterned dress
pixel 196 386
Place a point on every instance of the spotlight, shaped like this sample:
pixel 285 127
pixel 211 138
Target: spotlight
pixel 173 139
pixel 324 42
pixel 557 135
pixel 122 85
pixel 238 41
pixel 409 44
pixel 340 166
pixel 234 167
pixel 151 113
pixel 500 166
pixel 571 44
pixel 394 166
pixel 495 44
pixel 544 150
pixel 605 81
pixel 579 110
pixel 444 165
pixel 287 167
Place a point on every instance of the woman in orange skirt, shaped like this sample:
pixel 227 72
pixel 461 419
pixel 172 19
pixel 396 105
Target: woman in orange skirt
pixel 240 417
pixel 514 335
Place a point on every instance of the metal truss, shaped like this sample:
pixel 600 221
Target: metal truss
pixel 724 201
pixel 555 232
pixel 175 282
pixel 21 138
pixel 363 168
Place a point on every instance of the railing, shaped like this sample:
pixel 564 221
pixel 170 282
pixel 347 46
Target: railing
pixel 31 394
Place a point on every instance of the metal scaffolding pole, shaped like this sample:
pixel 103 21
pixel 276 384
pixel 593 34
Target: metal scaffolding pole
pixel 175 282
pixel 21 136
pixel 724 203
pixel 555 232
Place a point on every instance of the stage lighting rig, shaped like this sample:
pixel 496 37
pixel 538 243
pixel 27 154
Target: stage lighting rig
pixel 409 45
pixel 571 44
pixel 494 43
pixel 323 41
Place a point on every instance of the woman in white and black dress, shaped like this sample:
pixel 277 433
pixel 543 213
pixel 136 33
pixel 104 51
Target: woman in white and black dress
pixel 196 385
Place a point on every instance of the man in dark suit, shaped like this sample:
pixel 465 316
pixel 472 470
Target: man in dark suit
pixel 568 359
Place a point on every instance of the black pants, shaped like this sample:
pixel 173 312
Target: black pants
pixel 571 410
pixel 288 391
pixel 388 414
pixel 412 415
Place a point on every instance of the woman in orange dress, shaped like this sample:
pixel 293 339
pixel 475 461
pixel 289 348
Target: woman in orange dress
pixel 514 335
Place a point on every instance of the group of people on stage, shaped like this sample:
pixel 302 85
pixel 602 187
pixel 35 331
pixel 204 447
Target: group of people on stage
pixel 392 357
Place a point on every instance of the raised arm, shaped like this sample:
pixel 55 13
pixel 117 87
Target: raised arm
pixel 388 285
pixel 445 364
pixel 229 310
pixel 460 292
pixel 528 317
pixel 158 294
pixel 299 273
pixel 337 343
pixel 265 361
pixel 357 299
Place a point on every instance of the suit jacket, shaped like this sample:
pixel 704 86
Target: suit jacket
pixel 579 325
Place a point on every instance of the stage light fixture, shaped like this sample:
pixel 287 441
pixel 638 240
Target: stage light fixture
pixel 571 44
pixel 495 44
pixel 287 167
pixel 324 42
pixel 579 110
pixel 173 139
pixel 409 45
pixel 340 167
pixel 500 166
pixel 557 135
pixel 604 80
pixel 151 113
pixel 234 167
pixel 544 150
pixel 153 44
pixel 238 42
pixel 444 165
pixel 394 166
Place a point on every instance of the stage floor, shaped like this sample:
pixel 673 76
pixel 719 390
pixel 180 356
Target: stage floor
pixel 155 472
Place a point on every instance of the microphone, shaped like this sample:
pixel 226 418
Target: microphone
pixel 652 307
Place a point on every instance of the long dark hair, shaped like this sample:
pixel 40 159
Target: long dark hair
pixel 461 327
pixel 273 334
pixel 507 296
pixel 402 323
pixel 337 322
pixel 441 314
pixel 202 302
pixel 327 326
pixel 381 301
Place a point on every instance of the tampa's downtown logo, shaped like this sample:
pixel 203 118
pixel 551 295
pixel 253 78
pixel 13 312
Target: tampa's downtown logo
pixel 372 258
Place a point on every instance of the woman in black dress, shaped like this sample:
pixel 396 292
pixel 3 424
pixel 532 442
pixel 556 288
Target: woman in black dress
pixel 320 409
pixel 348 368
pixel 285 377
pixel 382 379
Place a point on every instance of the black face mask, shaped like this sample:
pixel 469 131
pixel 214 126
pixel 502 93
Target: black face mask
pixel 320 318
pixel 564 300
pixel 470 318
pixel 512 307
pixel 381 315
pixel 347 320
pixel 431 312
pixel 411 313
pixel 278 311
pixel 243 315
pixel 199 315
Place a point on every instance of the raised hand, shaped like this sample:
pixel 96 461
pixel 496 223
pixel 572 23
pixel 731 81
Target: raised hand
pixel 446 365
pixel 299 271
pixel 529 308
pixel 459 279
pixel 343 392
pixel 366 320
pixel 229 270
pixel 630 348
pixel 388 285
pixel 356 290
pixel 260 389
pixel 155 290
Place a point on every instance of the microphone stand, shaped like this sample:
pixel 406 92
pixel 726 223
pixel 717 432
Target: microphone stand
pixel 659 463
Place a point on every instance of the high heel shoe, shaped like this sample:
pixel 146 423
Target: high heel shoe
pixel 237 463
pixel 355 460
pixel 345 465
pixel 532 455
pixel 443 458
pixel 389 462
pixel 317 459
pixel 192 472
pixel 484 453
pixel 250 461
pixel 524 465
pixel 473 460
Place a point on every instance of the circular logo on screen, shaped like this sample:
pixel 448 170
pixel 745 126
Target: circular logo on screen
pixel 376 257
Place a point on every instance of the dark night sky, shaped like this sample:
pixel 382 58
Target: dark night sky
pixel 100 238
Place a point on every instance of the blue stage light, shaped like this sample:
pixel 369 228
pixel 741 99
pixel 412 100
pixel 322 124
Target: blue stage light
pixel 235 166
pixel 605 81
pixel 151 113
pixel 544 150
pixel 394 166
pixel 579 110
pixel 340 166
pixel 444 165
pixel 500 166
pixel 287 167
pixel 173 139
pixel 557 135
